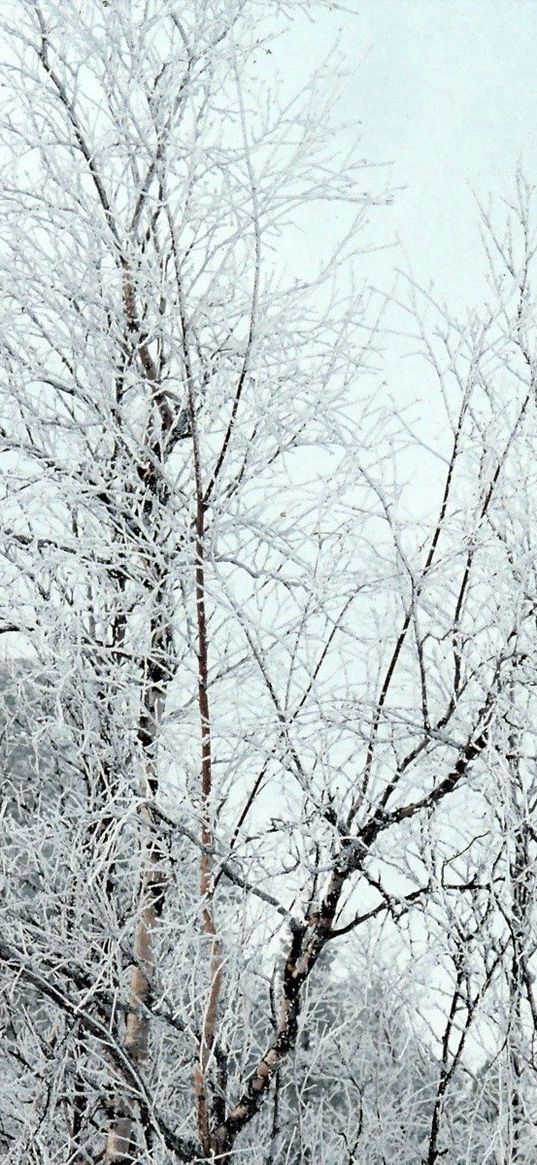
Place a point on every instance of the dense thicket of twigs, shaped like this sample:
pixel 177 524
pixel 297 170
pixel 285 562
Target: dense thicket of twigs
pixel 268 724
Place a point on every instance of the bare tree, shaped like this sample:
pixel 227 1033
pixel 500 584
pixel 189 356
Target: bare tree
pixel 254 689
pixel 481 917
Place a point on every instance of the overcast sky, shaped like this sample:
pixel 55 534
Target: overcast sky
pixel 446 91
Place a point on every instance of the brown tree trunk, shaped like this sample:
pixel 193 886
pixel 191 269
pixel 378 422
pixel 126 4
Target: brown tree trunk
pixel 151 496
